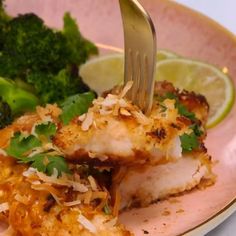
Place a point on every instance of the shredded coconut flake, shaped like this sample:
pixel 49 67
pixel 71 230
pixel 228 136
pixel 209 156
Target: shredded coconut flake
pixel 73 203
pixel 82 117
pixel 4 207
pixel 124 112
pixel 92 182
pixel 2 152
pixel 141 118
pixel 22 198
pixel 54 173
pixel 35 151
pixel 63 181
pixel 36 182
pixel 126 89
pixel 45 147
pixel 87 224
pixel 111 223
pixel 29 172
pixel 78 187
pixel 88 121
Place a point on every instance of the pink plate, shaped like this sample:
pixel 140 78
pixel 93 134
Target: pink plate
pixel 187 33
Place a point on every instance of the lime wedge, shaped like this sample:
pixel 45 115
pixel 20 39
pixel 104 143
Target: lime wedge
pixel 103 73
pixel 164 54
pixel 201 78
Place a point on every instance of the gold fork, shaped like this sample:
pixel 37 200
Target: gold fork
pixel 140 53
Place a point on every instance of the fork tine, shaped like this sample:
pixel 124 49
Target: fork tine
pixel 136 75
pixel 140 52
pixel 143 83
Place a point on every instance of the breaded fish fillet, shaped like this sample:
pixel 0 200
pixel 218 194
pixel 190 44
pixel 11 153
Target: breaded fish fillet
pixel 141 186
pixel 33 204
pixel 116 132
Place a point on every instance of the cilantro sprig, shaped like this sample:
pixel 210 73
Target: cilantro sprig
pixel 76 105
pixel 189 142
pixel 182 109
pixel 48 130
pixel 21 146
pixel 47 163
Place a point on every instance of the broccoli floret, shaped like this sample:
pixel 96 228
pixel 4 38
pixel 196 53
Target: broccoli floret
pixel 45 58
pixel 55 88
pixel 79 47
pixel 5 114
pixel 30 46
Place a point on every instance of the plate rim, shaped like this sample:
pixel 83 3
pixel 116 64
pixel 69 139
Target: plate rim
pixel 213 221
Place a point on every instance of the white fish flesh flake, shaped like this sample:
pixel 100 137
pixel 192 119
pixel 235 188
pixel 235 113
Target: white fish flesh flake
pixel 175 150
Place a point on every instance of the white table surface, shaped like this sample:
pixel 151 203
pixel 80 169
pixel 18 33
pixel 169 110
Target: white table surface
pixel 224 12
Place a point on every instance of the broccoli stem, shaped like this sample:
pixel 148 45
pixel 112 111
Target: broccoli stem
pixel 17 98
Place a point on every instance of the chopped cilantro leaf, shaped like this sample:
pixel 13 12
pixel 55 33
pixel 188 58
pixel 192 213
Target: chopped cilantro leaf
pixel 20 144
pixel 76 105
pixel 163 108
pixel 183 111
pixel 196 129
pixel 47 163
pixel 59 163
pixel 38 162
pixel 48 130
pixel 189 142
pixel 170 96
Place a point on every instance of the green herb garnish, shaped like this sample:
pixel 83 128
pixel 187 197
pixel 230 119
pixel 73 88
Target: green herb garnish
pixel 48 130
pixel 21 145
pixel 189 142
pixel 76 105
pixel 47 163
pixel 182 109
pixel 44 59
